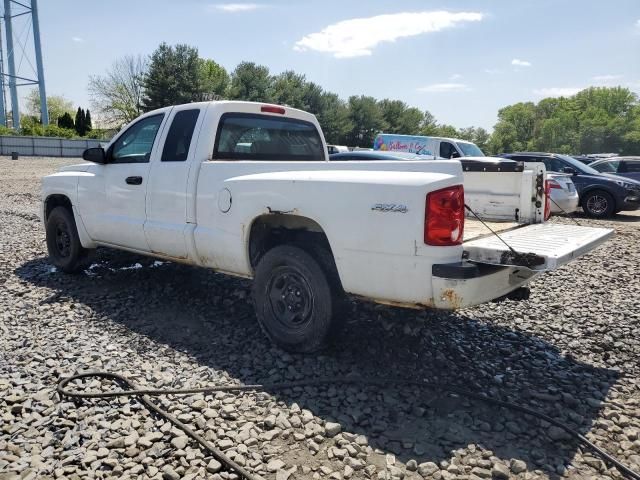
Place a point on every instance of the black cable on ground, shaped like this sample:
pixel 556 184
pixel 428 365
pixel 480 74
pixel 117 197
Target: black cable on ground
pixel 132 390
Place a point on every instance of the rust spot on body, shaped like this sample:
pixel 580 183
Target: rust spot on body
pixel 452 298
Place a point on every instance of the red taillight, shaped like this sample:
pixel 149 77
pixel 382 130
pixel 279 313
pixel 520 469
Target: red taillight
pixel 554 184
pixel 444 217
pixel 547 197
pixel 272 109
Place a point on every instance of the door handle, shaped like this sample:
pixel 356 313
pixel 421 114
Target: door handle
pixel 134 180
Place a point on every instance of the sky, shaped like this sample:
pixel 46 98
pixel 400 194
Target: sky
pixel 461 60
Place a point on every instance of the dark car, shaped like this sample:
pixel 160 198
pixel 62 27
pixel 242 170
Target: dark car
pixel 601 194
pixel 628 167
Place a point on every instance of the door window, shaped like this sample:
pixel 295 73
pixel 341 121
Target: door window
pixel 134 145
pixel 632 166
pixel 447 150
pixel 176 146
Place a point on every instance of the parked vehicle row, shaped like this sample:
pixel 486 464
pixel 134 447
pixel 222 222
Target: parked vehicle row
pixel 628 167
pixel 561 190
pixel 595 189
pixel 247 189
pixel 601 194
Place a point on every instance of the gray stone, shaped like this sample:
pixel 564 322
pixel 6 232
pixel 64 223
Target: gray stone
pixel 517 466
pixel 427 469
pixel 275 465
pixel 332 429
pixel 180 442
pixel 213 466
pixel 500 471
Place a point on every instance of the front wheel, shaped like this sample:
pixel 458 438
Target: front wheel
pixel 294 299
pixel 63 244
pixel 598 204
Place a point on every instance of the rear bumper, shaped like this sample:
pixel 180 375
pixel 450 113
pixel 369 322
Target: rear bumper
pixel 564 203
pixel 465 284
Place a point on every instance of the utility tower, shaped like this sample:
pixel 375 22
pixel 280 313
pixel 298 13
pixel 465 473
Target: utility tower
pixel 18 48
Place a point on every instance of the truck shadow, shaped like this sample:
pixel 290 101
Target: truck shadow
pixel 217 327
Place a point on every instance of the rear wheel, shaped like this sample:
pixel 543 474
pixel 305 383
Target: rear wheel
pixel 296 299
pixel 63 244
pixel 598 204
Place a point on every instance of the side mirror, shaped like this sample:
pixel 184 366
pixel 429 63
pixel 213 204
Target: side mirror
pixel 569 170
pixel 95 155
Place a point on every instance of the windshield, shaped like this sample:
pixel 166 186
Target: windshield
pixel 578 165
pixel 470 149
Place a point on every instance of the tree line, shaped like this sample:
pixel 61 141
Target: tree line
pixel 595 120
pixel 592 121
pixel 177 74
pixel 63 122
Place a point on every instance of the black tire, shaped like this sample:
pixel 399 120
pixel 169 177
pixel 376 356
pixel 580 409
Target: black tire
pixel 598 204
pixel 65 250
pixel 296 299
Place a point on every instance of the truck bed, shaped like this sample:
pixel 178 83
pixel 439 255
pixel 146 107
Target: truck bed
pixel 473 228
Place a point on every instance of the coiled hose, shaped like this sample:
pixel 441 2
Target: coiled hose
pixel 130 389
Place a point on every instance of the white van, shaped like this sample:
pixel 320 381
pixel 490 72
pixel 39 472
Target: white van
pixel 430 147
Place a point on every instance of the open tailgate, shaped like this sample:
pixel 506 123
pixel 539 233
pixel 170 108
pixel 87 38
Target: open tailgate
pixel 538 247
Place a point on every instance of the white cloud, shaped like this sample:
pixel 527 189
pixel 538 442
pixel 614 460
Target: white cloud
pixel 638 23
pixel 492 71
pixel 77 39
pixel 234 7
pixel 455 76
pixel 359 36
pixel 520 63
pixel 557 91
pixel 606 78
pixel 445 87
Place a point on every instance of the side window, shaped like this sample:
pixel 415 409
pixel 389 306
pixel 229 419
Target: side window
pixel 176 146
pixel 553 164
pixel 447 150
pixel 245 136
pixel 134 145
pixel 633 166
pixel 607 167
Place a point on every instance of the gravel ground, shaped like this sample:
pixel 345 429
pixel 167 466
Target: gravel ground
pixel 571 350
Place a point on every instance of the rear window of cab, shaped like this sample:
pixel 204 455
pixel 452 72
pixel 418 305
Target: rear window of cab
pixel 246 136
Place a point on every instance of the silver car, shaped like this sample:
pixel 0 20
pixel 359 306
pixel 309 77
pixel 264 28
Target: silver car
pixel 564 197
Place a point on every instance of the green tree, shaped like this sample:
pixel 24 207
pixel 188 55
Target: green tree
pixel 88 124
pixel 57 105
pixel 428 125
pixel 65 121
pixel 334 118
pixel 173 77
pixel 250 82
pixel 288 88
pixel 367 120
pixel 595 120
pixel 313 99
pixel 80 123
pixel 117 95
pixel 213 79
pixel 481 139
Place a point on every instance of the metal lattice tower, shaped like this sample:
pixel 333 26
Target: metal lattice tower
pixel 18 47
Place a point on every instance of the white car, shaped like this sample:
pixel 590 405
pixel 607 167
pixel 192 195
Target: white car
pixel 337 149
pixel 563 193
pixel 247 189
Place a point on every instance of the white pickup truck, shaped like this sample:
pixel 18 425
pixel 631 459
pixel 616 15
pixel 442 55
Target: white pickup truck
pixel 247 189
